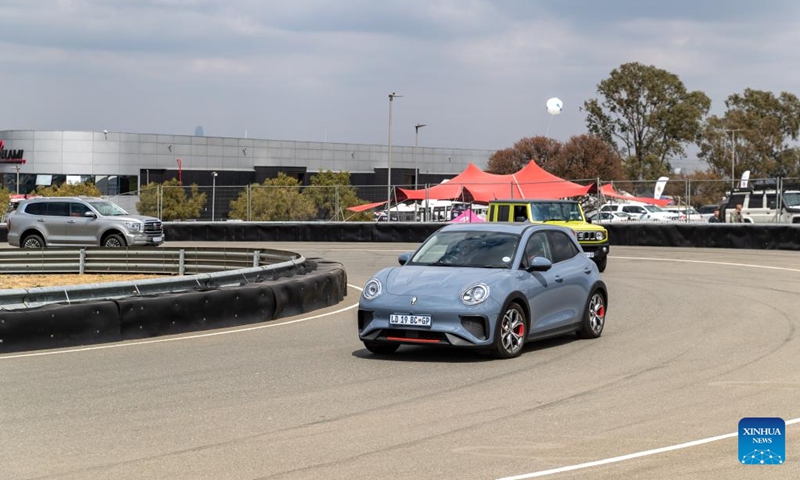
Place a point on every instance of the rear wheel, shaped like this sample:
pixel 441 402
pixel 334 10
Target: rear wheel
pixel 510 335
pixel 32 241
pixel 114 241
pixel 594 318
pixel 381 348
pixel 601 263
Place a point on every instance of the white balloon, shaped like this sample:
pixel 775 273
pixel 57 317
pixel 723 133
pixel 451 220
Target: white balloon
pixel 554 106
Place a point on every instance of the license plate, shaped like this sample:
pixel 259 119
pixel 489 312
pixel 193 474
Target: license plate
pixel 416 320
pixel 157 239
pixel 589 254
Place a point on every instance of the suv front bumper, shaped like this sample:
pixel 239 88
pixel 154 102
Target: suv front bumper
pixel 144 239
pixel 596 252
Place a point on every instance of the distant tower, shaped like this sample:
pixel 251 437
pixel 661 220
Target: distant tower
pixel 198 131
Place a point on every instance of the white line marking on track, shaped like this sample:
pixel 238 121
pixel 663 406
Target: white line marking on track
pixel 630 456
pixel 708 262
pixel 180 339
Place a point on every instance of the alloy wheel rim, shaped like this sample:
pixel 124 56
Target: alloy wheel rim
pixel 597 313
pixel 512 331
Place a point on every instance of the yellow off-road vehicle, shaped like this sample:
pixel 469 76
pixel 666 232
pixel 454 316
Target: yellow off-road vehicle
pixel 593 238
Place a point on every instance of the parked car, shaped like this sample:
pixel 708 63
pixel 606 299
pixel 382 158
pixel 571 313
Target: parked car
pixel 79 221
pixel 489 286
pixel 707 211
pixel 611 217
pixel 643 210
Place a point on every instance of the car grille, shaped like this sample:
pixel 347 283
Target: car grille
pixel 152 227
pixel 476 326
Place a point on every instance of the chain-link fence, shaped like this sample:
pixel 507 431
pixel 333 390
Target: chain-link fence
pixel 338 202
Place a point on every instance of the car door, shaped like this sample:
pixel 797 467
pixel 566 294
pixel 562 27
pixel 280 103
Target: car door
pixel 54 223
pixel 571 271
pixel 82 230
pixel 543 289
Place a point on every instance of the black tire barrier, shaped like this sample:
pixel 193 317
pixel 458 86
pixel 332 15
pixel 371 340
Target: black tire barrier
pixel 69 325
pixel 720 235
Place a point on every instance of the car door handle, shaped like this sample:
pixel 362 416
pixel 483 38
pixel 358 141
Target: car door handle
pixel 559 278
pixel 587 271
pixel 70 221
pixel 40 220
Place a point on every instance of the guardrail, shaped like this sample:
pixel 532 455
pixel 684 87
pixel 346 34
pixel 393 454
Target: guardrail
pixel 185 269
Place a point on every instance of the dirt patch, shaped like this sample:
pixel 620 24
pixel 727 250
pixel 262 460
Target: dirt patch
pixel 13 280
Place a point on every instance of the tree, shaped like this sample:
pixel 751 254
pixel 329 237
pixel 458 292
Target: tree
pixel 325 187
pixel 758 126
pixel 276 199
pixel 5 196
pixel 175 204
pixel 542 150
pixel 87 189
pixel 647 116
pixel 587 157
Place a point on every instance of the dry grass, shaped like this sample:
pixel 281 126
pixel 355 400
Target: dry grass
pixel 50 280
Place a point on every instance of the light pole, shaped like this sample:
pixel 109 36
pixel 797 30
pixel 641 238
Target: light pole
pixel 17 168
pixel 213 193
pixel 416 144
pixel 389 163
pixel 733 153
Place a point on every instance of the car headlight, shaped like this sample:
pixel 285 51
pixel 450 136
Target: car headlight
pixel 134 226
pixel 372 289
pixel 600 236
pixel 475 294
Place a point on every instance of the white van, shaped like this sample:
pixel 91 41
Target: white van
pixel 760 205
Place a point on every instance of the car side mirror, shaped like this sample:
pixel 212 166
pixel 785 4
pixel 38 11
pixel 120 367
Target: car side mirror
pixel 540 264
pixel 588 220
pixel 90 214
pixel 404 257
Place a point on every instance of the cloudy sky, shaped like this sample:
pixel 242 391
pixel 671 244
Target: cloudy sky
pixel 477 72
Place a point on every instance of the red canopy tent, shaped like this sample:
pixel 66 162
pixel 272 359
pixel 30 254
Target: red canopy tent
pixel 609 191
pixel 473 184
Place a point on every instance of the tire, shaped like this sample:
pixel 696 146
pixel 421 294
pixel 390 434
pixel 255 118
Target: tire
pixel 32 241
pixel 114 241
pixel 601 264
pixel 594 317
pixel 381 348
pixel 510 332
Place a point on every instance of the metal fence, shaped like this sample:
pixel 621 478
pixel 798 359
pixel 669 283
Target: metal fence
pixel 331 203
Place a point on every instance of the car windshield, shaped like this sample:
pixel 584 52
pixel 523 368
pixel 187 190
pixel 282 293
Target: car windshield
pixel 468 249
pixel 107 208
pixel 791 199
pixel 652 208
pixel 555 211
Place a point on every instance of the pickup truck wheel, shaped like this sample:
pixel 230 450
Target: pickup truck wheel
pixel 114 241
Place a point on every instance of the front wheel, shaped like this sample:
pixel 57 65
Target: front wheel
pixel 601 264
pixel 510 333
pixel 381 348
pixel 114 241
pixel 594 318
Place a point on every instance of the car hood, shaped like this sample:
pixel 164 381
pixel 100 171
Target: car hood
pixel 133 218
pixel 426 280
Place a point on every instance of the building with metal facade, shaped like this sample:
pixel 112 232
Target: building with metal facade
pixel 119 163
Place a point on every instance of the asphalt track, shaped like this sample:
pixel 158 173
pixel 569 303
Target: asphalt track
pixel 695 340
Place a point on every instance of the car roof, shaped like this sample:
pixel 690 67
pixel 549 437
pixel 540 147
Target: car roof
pixel 48 199
pixel 502 227
pixel 532 200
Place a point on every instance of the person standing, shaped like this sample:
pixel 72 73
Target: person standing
pixel 714 218
pixel 736 216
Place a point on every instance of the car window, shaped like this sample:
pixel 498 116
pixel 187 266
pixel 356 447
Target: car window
pixel 37 208
pixel 468 249
pixel 606 208
pixel 520 213
pixel 756 200
pixel 502 213
pixel 633 209
pixel 58 209
pixel 772 201
pixel 537 246
pixel 77 209
pixel 561 246
pixel 110 209
pixel 736 200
